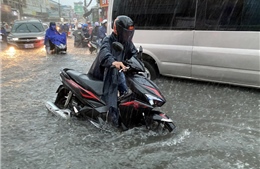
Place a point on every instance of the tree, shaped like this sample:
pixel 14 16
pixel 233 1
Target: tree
pixel 87 12
pixel 86 5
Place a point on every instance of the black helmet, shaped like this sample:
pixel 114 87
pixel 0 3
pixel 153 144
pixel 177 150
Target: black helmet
pixel 124 28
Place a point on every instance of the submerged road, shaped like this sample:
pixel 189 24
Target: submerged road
pixel 218 125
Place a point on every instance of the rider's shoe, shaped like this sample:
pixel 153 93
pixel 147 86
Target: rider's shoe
pixel 113 120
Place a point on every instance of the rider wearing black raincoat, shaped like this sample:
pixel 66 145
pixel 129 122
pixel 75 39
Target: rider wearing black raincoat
pixel 109 61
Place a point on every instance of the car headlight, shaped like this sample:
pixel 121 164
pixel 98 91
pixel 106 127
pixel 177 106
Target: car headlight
pixel 14 39
pixel 40 38
pixel 154 100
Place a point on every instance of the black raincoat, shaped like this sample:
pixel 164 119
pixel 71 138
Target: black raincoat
pixel 102 69
pixel 78 38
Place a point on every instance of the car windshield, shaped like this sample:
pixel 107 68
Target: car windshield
pixel 45 26
pixel 27 27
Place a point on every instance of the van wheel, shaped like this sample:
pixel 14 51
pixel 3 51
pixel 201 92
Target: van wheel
pixel 150 70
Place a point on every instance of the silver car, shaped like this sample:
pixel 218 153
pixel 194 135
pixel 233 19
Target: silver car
pixel 27 34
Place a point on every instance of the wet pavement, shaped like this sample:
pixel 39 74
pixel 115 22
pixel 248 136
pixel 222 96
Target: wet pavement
pixel 218 125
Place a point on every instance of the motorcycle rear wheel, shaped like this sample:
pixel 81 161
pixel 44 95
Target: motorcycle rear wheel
pixel 61 98
pixel 60 103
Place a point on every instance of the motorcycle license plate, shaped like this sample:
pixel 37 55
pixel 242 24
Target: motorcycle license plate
pixel 28 45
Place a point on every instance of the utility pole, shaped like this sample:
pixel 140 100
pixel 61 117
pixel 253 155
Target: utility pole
pixel 59 9
pixel 85 4
pixel 21 8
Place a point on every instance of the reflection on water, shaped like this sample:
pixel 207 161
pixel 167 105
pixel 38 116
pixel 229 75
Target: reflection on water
pixel 12 56
pixel 11 52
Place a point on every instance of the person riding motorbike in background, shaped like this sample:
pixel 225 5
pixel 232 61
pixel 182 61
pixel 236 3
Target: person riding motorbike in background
pixel 90 28
pixel 85 30
pixel 102 31
pixel 94 35
pixel 79 37
pixel 3 33
pixel 106 65
pixel 50 33
pixel 65 28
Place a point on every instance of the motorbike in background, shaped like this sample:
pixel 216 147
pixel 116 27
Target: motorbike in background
pixel 91 45
pixel 57 44
pixel 80 95
pixel 3 34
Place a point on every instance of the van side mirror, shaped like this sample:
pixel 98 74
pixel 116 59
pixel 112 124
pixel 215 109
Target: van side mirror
pixel 117 46
pixel 112 24
pixel 140 53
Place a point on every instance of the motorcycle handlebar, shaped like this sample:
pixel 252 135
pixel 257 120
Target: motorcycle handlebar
pixel 126 69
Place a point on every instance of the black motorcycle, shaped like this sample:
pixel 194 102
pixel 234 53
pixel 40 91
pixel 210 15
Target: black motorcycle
pixel 80 95
pixel 90 44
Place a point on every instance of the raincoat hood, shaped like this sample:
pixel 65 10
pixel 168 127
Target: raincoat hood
pixel 52 24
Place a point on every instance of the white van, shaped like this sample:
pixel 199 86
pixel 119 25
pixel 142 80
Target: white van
pixel 210 40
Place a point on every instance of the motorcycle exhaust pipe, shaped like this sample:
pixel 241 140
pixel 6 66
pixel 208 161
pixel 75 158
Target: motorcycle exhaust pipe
pixel 64 113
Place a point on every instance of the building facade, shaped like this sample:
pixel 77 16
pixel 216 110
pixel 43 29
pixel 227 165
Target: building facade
pixel 51 10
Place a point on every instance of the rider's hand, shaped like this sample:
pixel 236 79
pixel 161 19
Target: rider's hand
pixel 119 65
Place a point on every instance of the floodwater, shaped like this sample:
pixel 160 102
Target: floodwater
pixel 218 125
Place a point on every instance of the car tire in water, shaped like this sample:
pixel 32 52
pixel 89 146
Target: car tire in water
pixel 150 70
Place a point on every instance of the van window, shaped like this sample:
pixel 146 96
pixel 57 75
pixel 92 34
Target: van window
pixel 228 15
pixel 158 14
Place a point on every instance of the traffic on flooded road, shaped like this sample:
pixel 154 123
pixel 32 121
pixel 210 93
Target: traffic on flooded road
pixel 217 124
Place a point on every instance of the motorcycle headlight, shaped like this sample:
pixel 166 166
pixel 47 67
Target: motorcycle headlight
pixel 154 100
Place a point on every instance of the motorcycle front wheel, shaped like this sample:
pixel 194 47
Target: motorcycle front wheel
pixel 159 122
pixel 162 127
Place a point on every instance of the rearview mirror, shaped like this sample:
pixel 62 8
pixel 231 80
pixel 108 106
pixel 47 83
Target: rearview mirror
pixel 140 53
pixel 117 46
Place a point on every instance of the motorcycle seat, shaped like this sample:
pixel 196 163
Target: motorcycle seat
pixel 87 81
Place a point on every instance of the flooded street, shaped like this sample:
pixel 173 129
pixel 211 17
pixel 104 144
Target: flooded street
pixel 218 125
